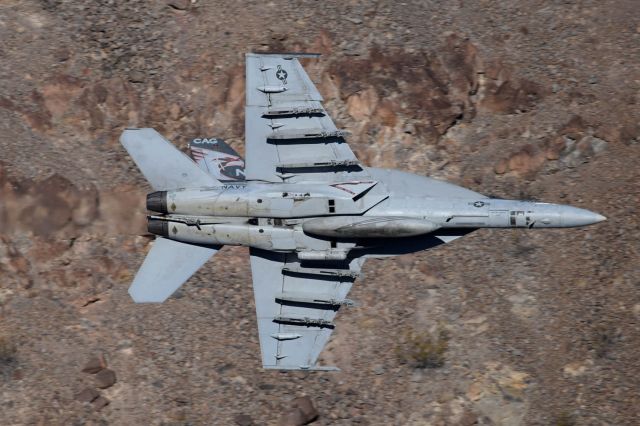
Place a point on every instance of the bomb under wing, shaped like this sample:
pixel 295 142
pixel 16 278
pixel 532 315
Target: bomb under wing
pixel 309 211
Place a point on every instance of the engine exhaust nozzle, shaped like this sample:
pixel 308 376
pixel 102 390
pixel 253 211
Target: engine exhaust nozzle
pixel 157 201
pixel 158 227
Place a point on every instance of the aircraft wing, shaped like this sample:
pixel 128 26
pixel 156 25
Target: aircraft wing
pixel 289 136
pixel 296 306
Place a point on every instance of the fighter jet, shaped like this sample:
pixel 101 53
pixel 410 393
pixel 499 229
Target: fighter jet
pixel 309 211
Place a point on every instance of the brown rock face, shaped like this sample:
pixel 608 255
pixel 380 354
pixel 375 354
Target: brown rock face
pixel 105 378
pixel 500 92
pixel 294 417
pixel 178 4
pixel 243 420
pixel 361 105
pixel 47 206
pixel 95 364
pixel 305 405
pixel 501 167
pixel 100 402
pixel 414 86
pixel 58 95
pixel 87 395
pixel 574 128
pixel 555 147
pixel 526 162
pixel 302 412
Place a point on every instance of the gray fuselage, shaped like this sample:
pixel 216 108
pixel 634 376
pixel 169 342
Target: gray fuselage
pixel 324 222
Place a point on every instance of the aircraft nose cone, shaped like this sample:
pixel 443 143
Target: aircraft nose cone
pixel 581 217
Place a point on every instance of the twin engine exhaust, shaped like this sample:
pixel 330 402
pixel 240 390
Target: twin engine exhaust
pixel 157 202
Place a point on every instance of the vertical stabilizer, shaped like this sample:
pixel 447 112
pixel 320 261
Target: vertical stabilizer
pixel 217 158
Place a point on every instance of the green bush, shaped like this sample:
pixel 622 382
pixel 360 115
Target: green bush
pixel 421 349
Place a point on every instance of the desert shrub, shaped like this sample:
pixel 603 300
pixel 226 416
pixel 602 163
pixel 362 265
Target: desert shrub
pixel 603 339
pixel 422 349
pixel 565 419
pixel 8 351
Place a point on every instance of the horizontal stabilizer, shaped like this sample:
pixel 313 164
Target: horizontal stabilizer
pixel 167 266
pixel 164 166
